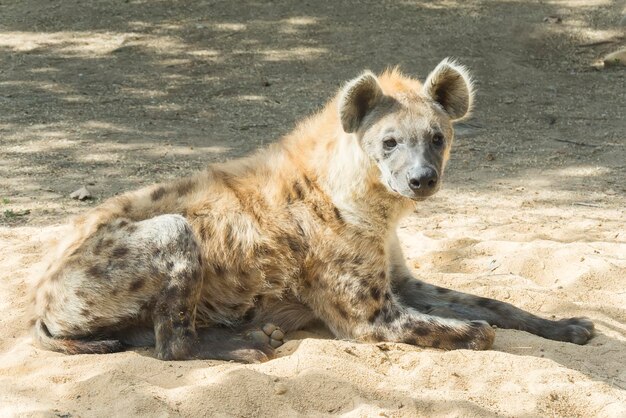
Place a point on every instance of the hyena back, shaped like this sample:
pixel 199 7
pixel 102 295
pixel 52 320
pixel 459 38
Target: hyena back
pixel 220 264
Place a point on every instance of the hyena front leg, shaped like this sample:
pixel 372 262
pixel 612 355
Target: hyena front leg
pixel 370 312
pixel 439 301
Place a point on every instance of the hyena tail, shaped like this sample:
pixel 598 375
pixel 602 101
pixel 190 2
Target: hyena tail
pixel 68 346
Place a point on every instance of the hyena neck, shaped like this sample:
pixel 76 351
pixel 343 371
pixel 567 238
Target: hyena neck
pixel 345 173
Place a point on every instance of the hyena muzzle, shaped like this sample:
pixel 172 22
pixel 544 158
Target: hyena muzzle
pixel 222 263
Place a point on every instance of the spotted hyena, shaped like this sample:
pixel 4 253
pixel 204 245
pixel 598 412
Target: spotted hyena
pixel 220 264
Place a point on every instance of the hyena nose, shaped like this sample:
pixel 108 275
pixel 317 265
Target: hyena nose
pixel 423 178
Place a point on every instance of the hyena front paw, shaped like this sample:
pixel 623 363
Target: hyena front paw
pixel 480 336
pixel 474 335
pixel 573 330
pixel 270 334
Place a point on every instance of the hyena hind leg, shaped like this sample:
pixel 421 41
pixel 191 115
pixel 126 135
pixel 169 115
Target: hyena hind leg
pixel 447 303
pixel 217 343
pixel 129 277
pixel 177 260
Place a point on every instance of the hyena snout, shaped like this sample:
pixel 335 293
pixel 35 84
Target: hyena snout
pixel 423 181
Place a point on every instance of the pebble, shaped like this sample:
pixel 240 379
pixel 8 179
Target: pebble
pixel 81 194
pixel 280 389
pixel 615 59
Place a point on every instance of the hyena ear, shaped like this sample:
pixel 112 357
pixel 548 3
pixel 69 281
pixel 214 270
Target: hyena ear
pixel 358 97
pixel 450 85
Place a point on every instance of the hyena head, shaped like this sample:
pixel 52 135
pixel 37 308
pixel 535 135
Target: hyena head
pixel 406 127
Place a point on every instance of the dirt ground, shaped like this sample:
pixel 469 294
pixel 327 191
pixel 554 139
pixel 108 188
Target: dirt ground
pixel 116 94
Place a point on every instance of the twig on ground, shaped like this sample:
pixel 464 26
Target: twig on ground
pixel 591 205
pixel 582 144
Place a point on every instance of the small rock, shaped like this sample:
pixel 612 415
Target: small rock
pixel 553 19
pixel 615 59
pixel 490 157
pixel 81 194
pixel 280 389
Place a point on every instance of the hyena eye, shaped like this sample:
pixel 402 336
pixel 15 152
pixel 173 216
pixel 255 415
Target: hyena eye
pixel 438 139
pixel 390 144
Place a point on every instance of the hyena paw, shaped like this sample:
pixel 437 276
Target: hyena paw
pixel 574 330
pixel 270 335
pixel 480 336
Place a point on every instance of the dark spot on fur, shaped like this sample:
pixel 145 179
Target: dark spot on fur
pixel 126 207
pixel 458 339
pixel 95 271
pixel 169 265
pixel 417 284
pixel 409 340
pixel 157 194
pixel 218 269
pixel 156 252
pixel 91 303
pixel 297 190
pixel 427 308
pixel 308 182
pixel 136 285
pixel 387 296
pixel 131 228
pixel 436 344
pixel 421 330
pixel 372 318
pixel 375 292
pixel 294 244
pixel 122 223
pixel 85 312
pixel 80 294
pixel 390 314
pixel 338 214
pixel 120 252
pixel 184 187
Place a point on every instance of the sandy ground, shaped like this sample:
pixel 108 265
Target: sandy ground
pixel 119 94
